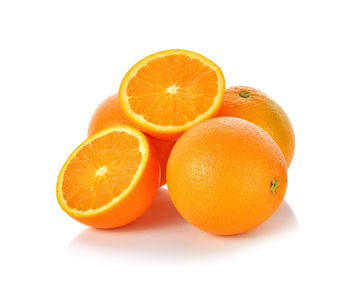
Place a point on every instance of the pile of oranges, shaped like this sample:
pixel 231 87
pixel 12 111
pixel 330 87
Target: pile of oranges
pixel 223 154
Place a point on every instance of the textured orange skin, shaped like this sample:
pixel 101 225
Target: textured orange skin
pixel 220 172
pixel 261 110
pixel 109 113
pixel 134 204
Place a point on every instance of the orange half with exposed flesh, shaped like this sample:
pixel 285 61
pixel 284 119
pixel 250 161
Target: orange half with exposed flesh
pixel 167 92
pixel 110 179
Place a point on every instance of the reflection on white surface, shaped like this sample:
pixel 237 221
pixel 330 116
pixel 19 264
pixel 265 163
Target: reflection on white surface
pixel 162 233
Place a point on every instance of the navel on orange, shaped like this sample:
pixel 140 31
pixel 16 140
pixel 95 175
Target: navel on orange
pixel 167 92
pixel 110 179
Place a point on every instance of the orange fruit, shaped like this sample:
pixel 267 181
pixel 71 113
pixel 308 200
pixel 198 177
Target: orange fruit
pixel 226 175
pixel 110 179
pixel 255 106
pixel 109 113
pixel 167 92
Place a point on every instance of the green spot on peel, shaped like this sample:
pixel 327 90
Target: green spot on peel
pixel 274 185
pixel 244 94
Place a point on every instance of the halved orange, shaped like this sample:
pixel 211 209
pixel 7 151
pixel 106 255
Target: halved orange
pixel 110 179
pixel 167 92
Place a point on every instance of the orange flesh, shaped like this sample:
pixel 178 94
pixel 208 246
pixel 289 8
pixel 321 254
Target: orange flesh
pixel 180 87
pixel 101 171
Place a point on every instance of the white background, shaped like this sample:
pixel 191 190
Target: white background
pixel 60 59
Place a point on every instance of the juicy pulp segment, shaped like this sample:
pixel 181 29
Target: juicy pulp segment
pixel 172 90
pixel 101 171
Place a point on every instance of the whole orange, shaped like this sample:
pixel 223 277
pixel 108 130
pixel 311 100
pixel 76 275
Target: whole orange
pixel 109 113
pixel 255 106
pixel 226 175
